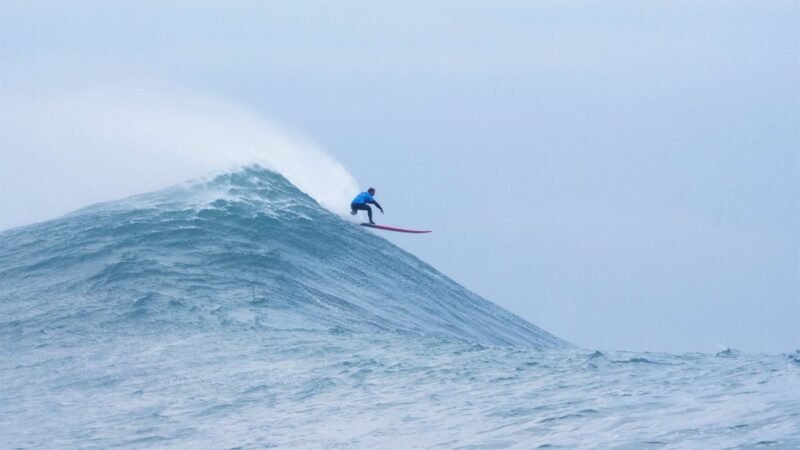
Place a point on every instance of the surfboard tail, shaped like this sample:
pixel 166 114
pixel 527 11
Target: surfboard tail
pixel 399 230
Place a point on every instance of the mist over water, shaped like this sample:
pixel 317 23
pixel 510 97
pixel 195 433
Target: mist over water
pixel 136 138
pixel 236 312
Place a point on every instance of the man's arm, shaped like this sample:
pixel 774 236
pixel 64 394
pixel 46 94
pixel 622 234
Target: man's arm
pixel 374 202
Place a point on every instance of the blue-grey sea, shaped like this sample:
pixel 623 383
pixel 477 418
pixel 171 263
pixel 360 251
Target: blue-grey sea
pixel 235 313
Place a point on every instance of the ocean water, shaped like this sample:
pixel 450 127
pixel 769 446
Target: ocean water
pixel 234 312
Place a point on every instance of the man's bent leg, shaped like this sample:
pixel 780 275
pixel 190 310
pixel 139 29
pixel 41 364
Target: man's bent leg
pixel 362 207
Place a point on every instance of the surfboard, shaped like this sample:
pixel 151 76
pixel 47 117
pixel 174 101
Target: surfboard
pixel 400 230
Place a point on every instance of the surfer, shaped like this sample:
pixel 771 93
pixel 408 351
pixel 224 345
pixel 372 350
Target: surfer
pixel 360 203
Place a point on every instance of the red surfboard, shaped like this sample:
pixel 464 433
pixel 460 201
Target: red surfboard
pixel 401 230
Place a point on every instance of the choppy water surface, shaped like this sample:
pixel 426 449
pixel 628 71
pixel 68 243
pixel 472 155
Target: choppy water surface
pixel 333 389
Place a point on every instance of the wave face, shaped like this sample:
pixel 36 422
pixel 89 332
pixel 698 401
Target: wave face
pixel 242 250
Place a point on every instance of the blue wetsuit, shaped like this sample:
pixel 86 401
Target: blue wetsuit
pixel 360 203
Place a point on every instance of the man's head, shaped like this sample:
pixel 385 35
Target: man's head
pixel 371 191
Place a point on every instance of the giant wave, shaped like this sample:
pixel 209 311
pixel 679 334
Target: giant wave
pixel 244 249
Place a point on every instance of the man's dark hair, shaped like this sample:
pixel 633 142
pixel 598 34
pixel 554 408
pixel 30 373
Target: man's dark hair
pixel 371 190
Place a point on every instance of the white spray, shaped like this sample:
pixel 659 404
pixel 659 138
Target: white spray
pixel 65 151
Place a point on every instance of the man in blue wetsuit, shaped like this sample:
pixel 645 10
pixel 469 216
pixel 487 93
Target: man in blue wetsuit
pixel 360 203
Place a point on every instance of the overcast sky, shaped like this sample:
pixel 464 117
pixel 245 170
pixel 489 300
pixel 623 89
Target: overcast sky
pixel 622 174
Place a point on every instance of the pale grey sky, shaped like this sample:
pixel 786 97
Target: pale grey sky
pixel 623 174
